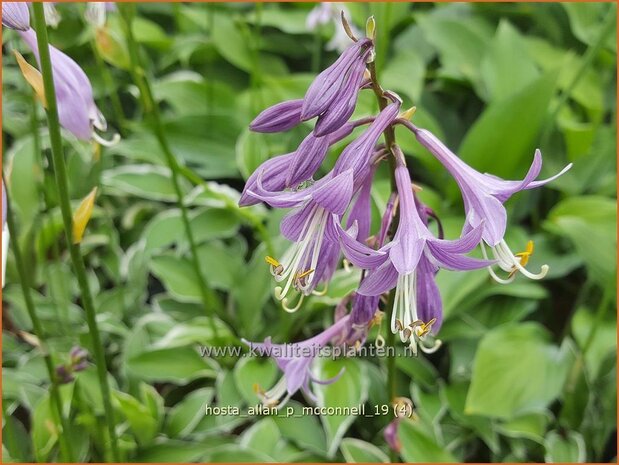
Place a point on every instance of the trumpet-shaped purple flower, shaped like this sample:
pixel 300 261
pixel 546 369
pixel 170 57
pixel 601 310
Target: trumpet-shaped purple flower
pixel 295 361
pixel 313 255
pixel 333 90
pixel 483 196
pixel 409 263
pixel 279 117
pixel 77 110
pixel 15 15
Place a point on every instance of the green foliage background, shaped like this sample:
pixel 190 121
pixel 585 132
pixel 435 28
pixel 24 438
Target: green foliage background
pixel 527 372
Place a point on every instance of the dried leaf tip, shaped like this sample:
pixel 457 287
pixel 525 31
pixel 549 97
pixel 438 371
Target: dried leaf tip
pixel 32 76
pixel 347 27
pixel 82 215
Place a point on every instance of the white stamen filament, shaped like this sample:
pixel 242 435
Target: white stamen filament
pixel 296 257
pixel 404 318
pixel 271 398
pixel 508 262
pixel 106 143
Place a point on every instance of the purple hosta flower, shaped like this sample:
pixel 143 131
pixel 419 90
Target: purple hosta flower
pixel 330 95
pixel 320 15
pixel 483 196
pixel 295 360
pixel 391 434
pixel 77 110
pixel 409 263
pixel 78 361
pixel 313 255
pixel 292 169
pixel 15 15
pixel 279 117
pixel 79 358
pixel 5 233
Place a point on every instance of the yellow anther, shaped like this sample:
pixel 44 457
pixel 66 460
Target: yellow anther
pixel 258 389
pixel 377 318
pixel 524 256
pixel 304 274
pixel 271 261
pixel 425 327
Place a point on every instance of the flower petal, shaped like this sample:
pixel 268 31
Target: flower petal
pixel 379 281
pixel 357 253
pixel 334 195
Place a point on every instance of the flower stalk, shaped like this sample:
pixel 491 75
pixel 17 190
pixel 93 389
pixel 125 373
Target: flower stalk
pixel 389 135
pixel 37 328
pixel 60 172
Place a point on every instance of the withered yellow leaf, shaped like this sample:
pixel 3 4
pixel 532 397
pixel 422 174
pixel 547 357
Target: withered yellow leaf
pixel 82 216
pixel 32 76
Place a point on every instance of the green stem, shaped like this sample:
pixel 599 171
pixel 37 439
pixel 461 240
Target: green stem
pixel 590 55
pixel 390 141
pixel 209 298
pixel 37 328
pixel 60 172
pixel 61 306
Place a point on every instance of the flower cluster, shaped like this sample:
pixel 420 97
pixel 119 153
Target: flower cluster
pixel 331 216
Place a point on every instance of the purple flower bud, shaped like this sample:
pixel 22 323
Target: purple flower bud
pixel 15 15
pixel 64 375
pixel 311 153
pixel 273 172
pixel 342 107
pixel 77 354
pixel 357 155
pixel 331 85
pixel 279 117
